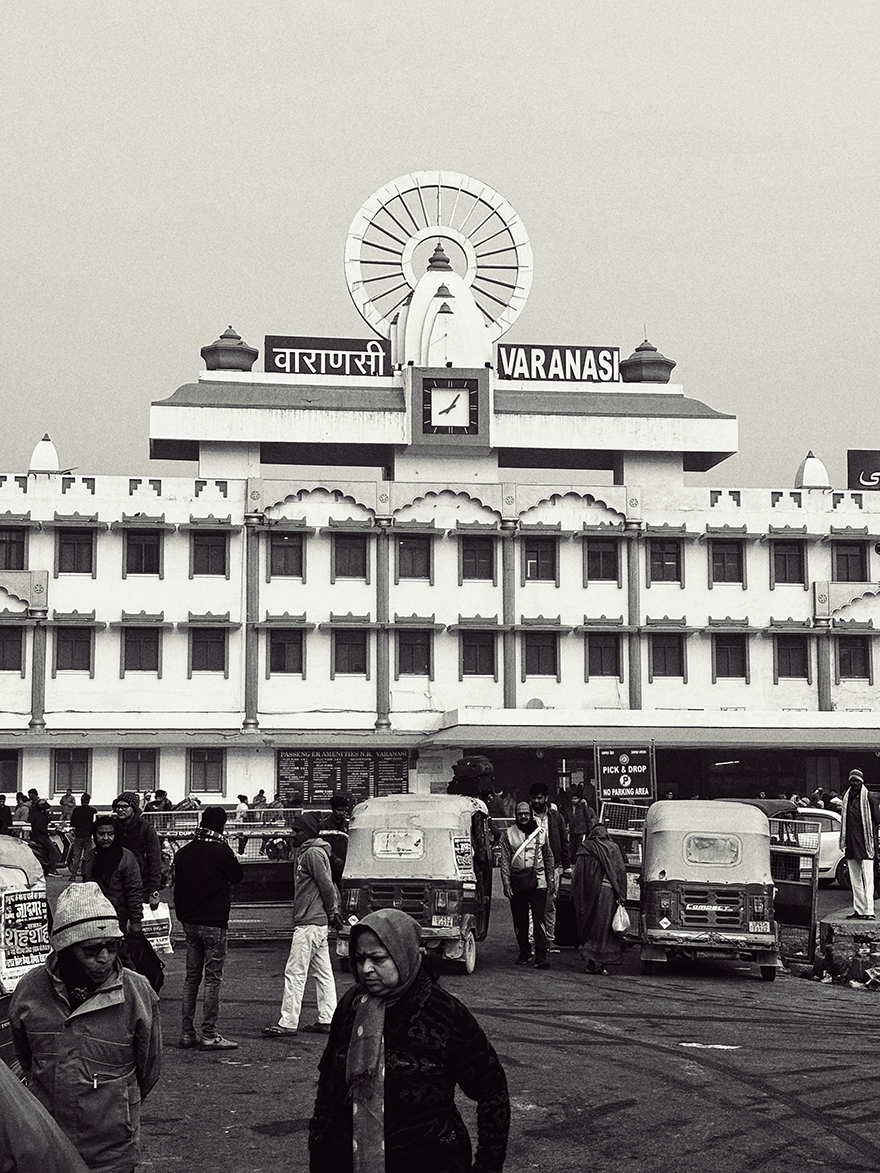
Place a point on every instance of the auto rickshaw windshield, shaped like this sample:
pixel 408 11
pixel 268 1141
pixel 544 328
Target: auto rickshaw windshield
pixel 706 842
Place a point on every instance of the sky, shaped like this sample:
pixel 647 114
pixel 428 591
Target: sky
pixel 706 171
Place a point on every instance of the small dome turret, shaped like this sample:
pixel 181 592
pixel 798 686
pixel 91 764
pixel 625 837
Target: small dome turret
pixel 812 474
pixel 229 353
pixel 646 365
pixel 45 457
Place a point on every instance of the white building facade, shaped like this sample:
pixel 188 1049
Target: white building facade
pixel 478 548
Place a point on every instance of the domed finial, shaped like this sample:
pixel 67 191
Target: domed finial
pixel 646 365
pixel 443 291
pixel 811 474
pixel 45 457
pixel 439 259
pixel 229 353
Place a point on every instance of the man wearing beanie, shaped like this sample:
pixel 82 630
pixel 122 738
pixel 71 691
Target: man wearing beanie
pixel 83 1028
pixel 204 869
pixel 140 837
pixel 859 822
pixel 315 901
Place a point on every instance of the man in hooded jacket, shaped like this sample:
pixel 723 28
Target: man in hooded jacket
pixel 315 902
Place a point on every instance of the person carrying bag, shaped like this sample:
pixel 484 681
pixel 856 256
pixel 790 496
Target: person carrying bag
pixel 526 868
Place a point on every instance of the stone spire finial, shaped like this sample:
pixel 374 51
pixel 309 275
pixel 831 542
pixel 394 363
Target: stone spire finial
pixel 439 259
pixel 229 353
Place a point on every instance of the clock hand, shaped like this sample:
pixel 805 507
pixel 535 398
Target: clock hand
pixel 446 410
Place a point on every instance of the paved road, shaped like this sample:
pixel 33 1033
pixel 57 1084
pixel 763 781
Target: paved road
pixel 704 1069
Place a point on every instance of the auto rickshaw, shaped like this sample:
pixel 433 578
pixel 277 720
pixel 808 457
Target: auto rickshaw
pixel 707 890
pixel 428 855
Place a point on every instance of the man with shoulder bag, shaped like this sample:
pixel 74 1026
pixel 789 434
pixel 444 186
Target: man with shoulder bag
pixel 526 875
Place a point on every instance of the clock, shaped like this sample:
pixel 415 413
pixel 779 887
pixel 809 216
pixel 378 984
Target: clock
pixel 450 406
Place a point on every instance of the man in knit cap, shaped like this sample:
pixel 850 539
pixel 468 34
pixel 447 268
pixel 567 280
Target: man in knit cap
pixel 139 836
pixel 859 822
pixel 83 1028
pixel 204 870
pixel 315 902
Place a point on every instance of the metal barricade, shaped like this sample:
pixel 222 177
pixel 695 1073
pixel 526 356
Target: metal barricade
pixel 794 865
pixel 626 822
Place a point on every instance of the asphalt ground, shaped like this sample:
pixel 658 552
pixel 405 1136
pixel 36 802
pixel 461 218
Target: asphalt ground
pixel 702 1069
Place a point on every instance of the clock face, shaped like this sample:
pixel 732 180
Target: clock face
pixel 450 407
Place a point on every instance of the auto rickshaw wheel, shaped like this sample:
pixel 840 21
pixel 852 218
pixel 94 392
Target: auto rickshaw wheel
pixel 768 973
pixel 468 961
pixel 647 968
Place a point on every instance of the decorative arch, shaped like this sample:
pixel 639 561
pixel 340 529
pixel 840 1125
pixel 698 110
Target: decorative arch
pixel 573 509
pixel 446 507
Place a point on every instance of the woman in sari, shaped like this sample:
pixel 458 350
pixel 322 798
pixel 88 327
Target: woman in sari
pixel 398 1046
pixel 597 885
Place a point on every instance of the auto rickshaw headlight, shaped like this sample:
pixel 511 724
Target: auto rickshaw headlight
pixel 664 902
pixel 759 907
pixel 441 899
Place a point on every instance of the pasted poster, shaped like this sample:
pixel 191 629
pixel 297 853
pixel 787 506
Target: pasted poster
pixel 24 929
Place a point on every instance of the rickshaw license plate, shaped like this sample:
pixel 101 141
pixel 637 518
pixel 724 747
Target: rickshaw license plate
pixel 442 921
pixel 759 926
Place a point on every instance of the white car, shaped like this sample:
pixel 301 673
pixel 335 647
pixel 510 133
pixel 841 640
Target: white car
pixel 832 865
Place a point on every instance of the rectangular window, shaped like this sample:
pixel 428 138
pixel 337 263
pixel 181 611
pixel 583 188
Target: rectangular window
pixel 849 562
pixel 70 770
pixel 540 653
pixel 73 649
pixel 207 771
pixel 792 657
pixel 210 554
pixel 477 559
pixel 350 653
pixel 788 562
pixel 141 649
pixel 664 560
pixel 76 551
pixel 853 657
pixel 602 560
pixel 731 656
pixel 138 770
pixel 11 649
pixel 539 559
pixel 414 653
pixel 349 556
pixel 207 649
pixel 478 653
pixel 667 655
pixel 12 549
pixel 603 654
pixel 727 561
pixel 9 779
pixel 143 551
pixel 414 558
pixel 286 652
pixel 286 555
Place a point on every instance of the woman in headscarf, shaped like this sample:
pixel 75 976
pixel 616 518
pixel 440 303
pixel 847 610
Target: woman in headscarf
pixel 398 1046
pixel 597 885
pixel 117 873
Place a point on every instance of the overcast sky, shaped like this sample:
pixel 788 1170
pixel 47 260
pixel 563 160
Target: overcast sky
pixel 708 169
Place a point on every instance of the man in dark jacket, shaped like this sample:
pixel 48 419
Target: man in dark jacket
pixel 43 847
pixel 82 820
pixel 5 816
pixel 556 831
pixel 204 869
pixel 141 839
pixel 334 828
pixel 859 825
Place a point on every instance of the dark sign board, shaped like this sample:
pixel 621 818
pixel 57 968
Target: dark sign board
pixel 626 773
pixel 318 774
pixel 361 357
pixel 863 468
pixel 569 364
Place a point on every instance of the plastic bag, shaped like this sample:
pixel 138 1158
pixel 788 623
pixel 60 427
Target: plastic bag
pixel 620 923
pixel 157 927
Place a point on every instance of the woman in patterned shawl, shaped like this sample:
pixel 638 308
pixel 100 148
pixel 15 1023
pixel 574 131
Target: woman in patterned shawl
pixel 398 1046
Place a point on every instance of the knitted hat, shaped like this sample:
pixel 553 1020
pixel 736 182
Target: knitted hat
pixel 338 801
pixel 856 776
pixel 214 818
pixel 83 913
pixel 308 824
pixel 131 797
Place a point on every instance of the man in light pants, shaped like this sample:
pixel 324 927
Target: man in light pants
pixel 556 835
pixel 315 902
pixel 859 820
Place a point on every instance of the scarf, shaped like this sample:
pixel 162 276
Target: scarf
pixel 211 836
pixel 599 843
pixel 106 860
pixel 365 1066
pixel 867 822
